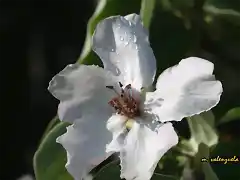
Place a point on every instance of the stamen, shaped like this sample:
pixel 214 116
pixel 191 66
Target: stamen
pixel 110 87
pixel 128 86
pixel 124 103
pixel 120 84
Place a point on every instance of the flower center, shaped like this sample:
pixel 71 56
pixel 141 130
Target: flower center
pixel 124 103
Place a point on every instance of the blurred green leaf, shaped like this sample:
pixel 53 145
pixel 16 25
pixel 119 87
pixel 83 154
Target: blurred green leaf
pixel 224 4
pixel 146 12
pixel 209 117
pixel 50 158
pixel 112 171
pixel 202 130
pixel 227 14
pixel 231 115
pixel 50 125
pixel 171 163
pixel 90 29
pixel 208 172
pixel 205 167
pixel 187 147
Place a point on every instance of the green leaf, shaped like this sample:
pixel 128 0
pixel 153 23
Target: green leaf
pixel 231 115
pixel 146 12
pixel 208 172
pixel 227 14
pixel 51 124
pixel 90 29
pixel 50 158
pixel 209 117
pixel 224 4
pixel 202 130
pixel 112 171
pixel 205 167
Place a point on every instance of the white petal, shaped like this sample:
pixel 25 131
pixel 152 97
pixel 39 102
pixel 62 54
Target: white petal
pixel 144 148
pixel 116 124
pixel 184 90
pixel 82 90
pixel 85 143
pixel 122 44
pixel 186 71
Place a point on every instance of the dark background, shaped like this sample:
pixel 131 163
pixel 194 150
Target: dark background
pixel 39 38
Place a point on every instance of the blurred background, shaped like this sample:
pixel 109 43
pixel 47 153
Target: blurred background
pixel 39 38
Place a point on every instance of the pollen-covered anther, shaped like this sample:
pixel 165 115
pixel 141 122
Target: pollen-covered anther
pixel 124 103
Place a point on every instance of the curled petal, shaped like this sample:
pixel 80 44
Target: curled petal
pixel 82 90
pixel 122 44
pixel 116 125
pixel 85 143
pixel 184 90
pixel 143 148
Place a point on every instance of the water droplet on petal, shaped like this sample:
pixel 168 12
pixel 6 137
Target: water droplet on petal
pixel 126 43
pixel 118 71
pixel 112 50
pixel 118 25
pixel 134 38
pixel 136 47
pixel 121 38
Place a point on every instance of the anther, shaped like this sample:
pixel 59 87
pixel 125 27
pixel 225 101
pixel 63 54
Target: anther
pixel 128 86
pixel 110 87
pixel 120 84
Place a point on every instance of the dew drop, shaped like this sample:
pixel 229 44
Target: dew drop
pixel 121 38
pixel 136 47
pixel 126 43
pixel 134 38
pixel 118 25
pixel 112 50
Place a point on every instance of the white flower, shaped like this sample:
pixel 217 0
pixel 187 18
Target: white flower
pixel 99 102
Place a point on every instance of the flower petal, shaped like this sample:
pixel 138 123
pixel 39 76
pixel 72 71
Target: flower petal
pixel 187 70
pixel 184 90
pixel 122 44
pixel 143 149
pixel 82 90
pixel 85 143
pixel 116 124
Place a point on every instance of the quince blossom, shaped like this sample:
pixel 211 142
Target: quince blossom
pixel 102 102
